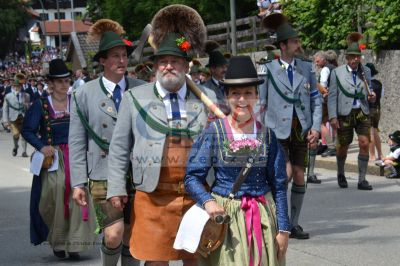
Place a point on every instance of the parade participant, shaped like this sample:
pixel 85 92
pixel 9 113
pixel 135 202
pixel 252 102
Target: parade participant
pixel 95 105
pixel 156 127
pixel 204 75
pixel 15 105
pixel 70 228
pixel 195 67
pixel 375 114
pixel 262 189
pixel 218 65
pixel 293 110
pixel 348 110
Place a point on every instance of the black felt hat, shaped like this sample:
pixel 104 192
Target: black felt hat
pixel 241 72
pixel 373 69
pixel 58 69
pixel 395 136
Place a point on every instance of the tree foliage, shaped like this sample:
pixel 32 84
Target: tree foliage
pixel 13 17
pixel 135 15
pixel 325 24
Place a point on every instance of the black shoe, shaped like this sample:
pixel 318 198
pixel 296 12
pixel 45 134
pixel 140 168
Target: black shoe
pixel 298 233
pixel 329 152
pixel 321 149
pixel 313 179
pixel 392 175
pixel 15 151
pixel 364 185
pixel 74 256
pixel 25 155
pixel 59 253
pixel 342 181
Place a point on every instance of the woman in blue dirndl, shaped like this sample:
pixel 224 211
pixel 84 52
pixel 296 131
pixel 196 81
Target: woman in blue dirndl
pixel 259 224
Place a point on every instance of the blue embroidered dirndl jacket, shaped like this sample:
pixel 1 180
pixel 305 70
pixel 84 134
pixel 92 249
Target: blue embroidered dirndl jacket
pixel 268 173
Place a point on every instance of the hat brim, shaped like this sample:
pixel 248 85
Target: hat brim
pixel 353 53
pixel 96 57
pixel 60 76
pixel 242 82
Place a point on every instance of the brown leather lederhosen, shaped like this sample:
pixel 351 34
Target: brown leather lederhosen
pixel 156 216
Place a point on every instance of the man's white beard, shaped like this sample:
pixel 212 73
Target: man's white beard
pixel 171 83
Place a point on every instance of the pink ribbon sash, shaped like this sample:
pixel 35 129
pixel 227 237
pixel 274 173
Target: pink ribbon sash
pixel 85 212
pixel 253 223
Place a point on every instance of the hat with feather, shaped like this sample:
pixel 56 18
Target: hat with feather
pixel 353 47
pixel 177 30
pixel 109 34
pixel 279 23
pixel 215 57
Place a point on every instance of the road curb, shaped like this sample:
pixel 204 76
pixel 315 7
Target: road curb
pixel 351 166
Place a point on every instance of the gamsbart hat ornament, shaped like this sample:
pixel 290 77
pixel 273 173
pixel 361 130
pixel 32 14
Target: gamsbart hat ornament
pixel 58 69
pixel 109 33
pixel 177 30
pixel 353 43
pixel 279 23
pixel 241 72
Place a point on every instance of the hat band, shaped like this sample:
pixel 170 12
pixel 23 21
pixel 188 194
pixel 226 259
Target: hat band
pixel 239 81
pixel 60 75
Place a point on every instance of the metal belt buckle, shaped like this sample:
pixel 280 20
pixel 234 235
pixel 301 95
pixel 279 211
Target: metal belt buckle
pixel 181 187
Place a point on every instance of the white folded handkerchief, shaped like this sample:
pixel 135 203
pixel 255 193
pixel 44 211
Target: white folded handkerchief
pixel 190 229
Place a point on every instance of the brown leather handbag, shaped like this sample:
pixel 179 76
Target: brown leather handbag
pixel 214 231
pixel 47 162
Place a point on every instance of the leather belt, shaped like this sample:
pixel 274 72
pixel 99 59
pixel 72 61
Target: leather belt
pixel 180 187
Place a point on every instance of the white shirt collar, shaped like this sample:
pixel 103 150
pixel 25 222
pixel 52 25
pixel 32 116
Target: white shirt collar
pixel 350 69
pixel 164 92
pixel 287 64
pixel 110 86
pixel 215 81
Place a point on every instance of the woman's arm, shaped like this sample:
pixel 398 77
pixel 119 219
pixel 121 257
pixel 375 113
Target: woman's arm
pixel 31 124
pixel 277 179
pixel 199 162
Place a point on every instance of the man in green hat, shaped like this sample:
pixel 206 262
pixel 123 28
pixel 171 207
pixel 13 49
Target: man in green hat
pixel 294 112
pixel 155 130
pixel 95 106
pixel 348 110
pixel 15 105
pixel 218 66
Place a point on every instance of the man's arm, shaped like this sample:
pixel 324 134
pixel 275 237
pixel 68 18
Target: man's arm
pixel 78 141
pixel 5 111
pixel 316 103
pixel 120 149
pixel 332 96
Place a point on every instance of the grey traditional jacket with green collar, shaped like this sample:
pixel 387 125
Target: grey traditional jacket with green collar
pixel 282 98
pixel 340 104
pixel 136 140
pixel 12 108
pixel 87 159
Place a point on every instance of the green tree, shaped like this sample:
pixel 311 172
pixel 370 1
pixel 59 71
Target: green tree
pixel 13 17
pixel 135 15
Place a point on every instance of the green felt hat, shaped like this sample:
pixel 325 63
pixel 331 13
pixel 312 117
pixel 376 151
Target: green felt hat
pixel 285 32
pixel 109 40
pixel 173 44
pixel 195 69
pixel 353 49
pixel 19 79
pixel 216 58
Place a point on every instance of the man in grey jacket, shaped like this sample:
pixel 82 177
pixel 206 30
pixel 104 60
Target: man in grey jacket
pixel 348 111
pixel 94 113
pixel 155 130
pixel 294 113
pixel 15 105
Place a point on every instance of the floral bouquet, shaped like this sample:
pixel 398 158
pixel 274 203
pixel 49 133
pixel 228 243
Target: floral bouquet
pixel 243 146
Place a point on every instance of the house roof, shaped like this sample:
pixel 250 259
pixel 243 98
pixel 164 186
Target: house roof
pixel 84 49
pixel 50 28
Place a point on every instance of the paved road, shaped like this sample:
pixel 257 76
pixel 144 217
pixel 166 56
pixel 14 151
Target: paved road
pixel 347 226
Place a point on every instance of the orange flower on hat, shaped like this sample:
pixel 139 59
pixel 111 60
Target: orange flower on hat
pixel 362 46
pixel 127 42
pixel 183 44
